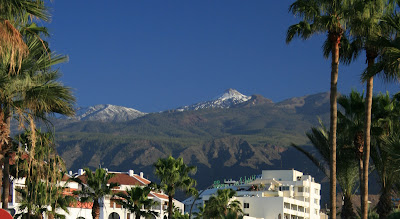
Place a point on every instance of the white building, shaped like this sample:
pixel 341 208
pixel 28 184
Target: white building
pixel 109 209
pixel 276 194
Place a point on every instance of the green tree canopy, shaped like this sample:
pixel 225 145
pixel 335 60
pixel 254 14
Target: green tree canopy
pixel 174 175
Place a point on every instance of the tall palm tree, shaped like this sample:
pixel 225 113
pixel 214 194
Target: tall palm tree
pixel 174 174
pixel 366 27
pixel 388 111
pixel 14 15
pixel 387 65
pixel 331 17
pixel 136 201
pixel 33 94
pixel 94 187
pixel 221 205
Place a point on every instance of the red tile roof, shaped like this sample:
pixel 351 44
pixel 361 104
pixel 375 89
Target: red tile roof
pixel 87 205
pixel 123 179
pixel 159 195
pixel 65 178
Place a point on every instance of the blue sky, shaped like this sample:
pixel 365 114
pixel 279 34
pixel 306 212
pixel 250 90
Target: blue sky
pixel 154 55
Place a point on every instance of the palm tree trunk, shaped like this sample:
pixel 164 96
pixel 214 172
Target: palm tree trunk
pixel 347 208
pixel 170 206
pixel 6 182
pixel 3 140
pixel 384 206
pixel 96 209
pixel 367 135
pixel 361 173
pixel 335 40
pixel 359 144
pixel 6 169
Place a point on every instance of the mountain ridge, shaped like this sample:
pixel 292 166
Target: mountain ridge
pixel 231 98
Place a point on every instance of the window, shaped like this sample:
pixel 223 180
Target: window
pixel 245 214
pixel 128 216
pixel 246 205
pixel 284 188
pixel 317 191
pixel 300 189
pixel 113 215
pixel 286 205
pixel 316 201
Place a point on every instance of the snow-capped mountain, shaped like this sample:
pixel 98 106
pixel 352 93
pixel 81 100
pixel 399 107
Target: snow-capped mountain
pixel 107 112
pixel 228 99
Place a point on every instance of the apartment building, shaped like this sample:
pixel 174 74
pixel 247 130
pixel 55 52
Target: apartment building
pixel 275 194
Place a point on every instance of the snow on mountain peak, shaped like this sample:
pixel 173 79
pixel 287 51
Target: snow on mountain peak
pixel 228 99
pixel 107 112
pixel 233 94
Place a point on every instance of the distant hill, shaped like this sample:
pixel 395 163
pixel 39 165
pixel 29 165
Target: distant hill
pixel 231 136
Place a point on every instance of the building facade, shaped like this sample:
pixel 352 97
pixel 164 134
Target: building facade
pixel 109 208
pixel 275 194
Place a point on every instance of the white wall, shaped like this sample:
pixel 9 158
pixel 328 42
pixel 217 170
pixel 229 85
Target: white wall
pixel 261 207
pixel 281 175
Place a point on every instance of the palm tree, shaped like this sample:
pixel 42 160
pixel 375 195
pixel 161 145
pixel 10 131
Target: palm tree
pixel 33 203
pixel 366 27
pixel 178 214
pixel 352 125
pixel 388 111
pixel 32 94
pixel 387 65
pixel 221 205
pixel 347 164
pixel 41 177
pixel 200 213
pixel 233 215
pixel 320 16
pixel 58 200
pixel 94 187
pixel 174 174
pixel 136 201
pixel 13 16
